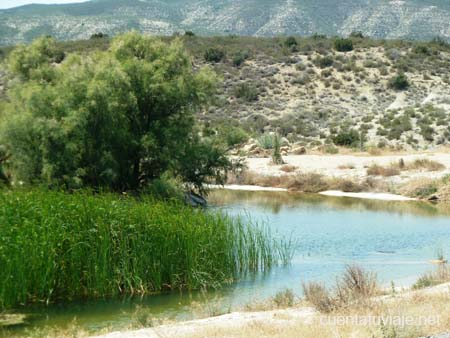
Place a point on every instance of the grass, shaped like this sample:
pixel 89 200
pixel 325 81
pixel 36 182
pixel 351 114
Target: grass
pixel 59 246
pixel 394 169
pixel 355 287
pixel 303 182
pixel 440 275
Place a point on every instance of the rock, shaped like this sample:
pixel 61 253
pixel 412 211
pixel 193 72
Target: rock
pixel 442 335
pixel 299 151
pixel 284 141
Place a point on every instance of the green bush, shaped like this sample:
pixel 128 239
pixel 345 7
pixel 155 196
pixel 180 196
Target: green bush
pixel 214 55
pixel 246 92
pixel 399 82
pixel 291 42
pixel 343 45
pixel 324 62
pixel 189 33
pixel 348 138
pixel 239 58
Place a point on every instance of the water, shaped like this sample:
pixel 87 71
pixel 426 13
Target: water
pixel 394 239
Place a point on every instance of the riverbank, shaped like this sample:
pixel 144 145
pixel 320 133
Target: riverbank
pixel 385 177
pixel 304 321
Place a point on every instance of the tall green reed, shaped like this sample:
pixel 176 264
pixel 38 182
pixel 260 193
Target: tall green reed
pixel 58 246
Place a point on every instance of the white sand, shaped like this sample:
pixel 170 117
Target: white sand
pixel 349 166
pixel 367 195
pixel 235 319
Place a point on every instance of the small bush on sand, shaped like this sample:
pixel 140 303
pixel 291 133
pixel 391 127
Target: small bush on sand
pixel 214 55
pixel 284 298
pixel 288 168
pixel 355 287
pixel 246 92
pixel 343 45
pixel 439 276
pixel 399 82
pixel 377 170
pixel 319 296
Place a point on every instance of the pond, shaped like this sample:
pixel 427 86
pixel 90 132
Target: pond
pixel 396 240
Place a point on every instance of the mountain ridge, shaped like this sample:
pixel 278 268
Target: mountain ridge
pixel 389 19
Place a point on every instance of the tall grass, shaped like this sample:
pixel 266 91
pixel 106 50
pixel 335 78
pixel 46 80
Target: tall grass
pixel 57 246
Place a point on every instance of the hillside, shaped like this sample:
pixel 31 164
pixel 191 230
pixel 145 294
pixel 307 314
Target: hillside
pixel 315 96
pixel 376 18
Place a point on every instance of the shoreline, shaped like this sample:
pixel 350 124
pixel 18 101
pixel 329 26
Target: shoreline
pixel 329 193
pixel 276 318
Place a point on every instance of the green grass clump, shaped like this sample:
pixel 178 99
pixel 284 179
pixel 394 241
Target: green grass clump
pixel 57 246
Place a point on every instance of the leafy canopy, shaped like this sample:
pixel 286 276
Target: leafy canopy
pixel 116 119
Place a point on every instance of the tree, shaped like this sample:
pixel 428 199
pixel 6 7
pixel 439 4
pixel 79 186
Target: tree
pixel 116 119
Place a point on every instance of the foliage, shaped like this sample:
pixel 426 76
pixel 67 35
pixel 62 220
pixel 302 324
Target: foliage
pixel 343 45
pixel 266 141
pixel 324 62
pixel 349 138
pixel 34 62
pixel 99 35
pixel 214 55
pixel 246 91
pixel 399 82
pixel 291 42
pixel 189 33
pixel 58 246
pixel 276 155
pixel 117 119
pixel 239 58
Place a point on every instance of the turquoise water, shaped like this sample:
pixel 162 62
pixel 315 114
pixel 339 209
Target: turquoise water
pixel 394 239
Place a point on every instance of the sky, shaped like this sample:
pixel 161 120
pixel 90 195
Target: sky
pixel 15 3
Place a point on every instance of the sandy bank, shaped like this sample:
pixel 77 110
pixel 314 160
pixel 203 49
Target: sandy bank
pixel 367 195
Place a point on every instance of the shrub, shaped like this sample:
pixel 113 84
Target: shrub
pixel 276 156
pixel 324 62
pixel 343 45
pixel 356 285
pixel 399 82
pixel 189 33
pixel 239 58
pixel 284 298
pixel 266 141
pixel 319 296
pixel 246 91
pixel 98 35
pixel 214 55
pixel 376 170
pixel 349 138
pixel 357 35
pixel 290 42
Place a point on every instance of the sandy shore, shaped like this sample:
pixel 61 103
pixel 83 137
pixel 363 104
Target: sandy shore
pixel 367 195
pixel 349 166
pixel 246 187
pixel 250 321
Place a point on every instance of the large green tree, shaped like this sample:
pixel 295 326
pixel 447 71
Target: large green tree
pixel 119 118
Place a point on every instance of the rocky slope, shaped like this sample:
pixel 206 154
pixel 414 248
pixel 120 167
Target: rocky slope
pixel 377 18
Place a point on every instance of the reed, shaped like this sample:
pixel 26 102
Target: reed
pixel 59 246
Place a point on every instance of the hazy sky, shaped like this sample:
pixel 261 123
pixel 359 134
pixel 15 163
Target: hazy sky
pixel 15 3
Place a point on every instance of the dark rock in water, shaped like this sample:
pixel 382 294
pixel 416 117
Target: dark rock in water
pixel 385 252
pixel 195 200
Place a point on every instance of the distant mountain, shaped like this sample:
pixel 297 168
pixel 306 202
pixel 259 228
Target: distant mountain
pixel 413 19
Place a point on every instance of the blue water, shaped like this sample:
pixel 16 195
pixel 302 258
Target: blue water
pixel 396 240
